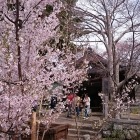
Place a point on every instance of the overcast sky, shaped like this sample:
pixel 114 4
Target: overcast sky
pixel 117 31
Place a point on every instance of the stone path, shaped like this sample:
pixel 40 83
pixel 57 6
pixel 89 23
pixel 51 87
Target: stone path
pixel 79 126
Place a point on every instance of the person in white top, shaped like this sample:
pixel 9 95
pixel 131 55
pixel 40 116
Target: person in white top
pixel 87 105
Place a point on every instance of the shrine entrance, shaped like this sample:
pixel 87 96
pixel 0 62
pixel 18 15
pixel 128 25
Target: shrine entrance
pixel 92 88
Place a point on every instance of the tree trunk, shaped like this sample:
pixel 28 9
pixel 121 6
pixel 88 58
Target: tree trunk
pixel 117 79
pixel 110 57
pixel 33 127
pixel 110 76
pixel 17 40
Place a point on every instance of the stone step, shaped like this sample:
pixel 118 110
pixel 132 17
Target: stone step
pixel 84 126
pixel 81 125
pixel 75 137
pixel 73 118
pixel 96 114
pixel 64 114
pixel 81 131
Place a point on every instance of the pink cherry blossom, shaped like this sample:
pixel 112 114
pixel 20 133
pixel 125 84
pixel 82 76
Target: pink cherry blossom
pixel 38 72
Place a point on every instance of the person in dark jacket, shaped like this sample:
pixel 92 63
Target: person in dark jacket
pixel 53 102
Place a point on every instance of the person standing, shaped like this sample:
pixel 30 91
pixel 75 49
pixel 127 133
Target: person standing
pixel 53 101
pixel 69 104
pixel 87 106
pixel 77 104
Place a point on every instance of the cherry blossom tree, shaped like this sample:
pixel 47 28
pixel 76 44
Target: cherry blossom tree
pixel 28 66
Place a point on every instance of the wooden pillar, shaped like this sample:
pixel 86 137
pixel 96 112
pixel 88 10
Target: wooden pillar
pixel 106 106
pixel 33 127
